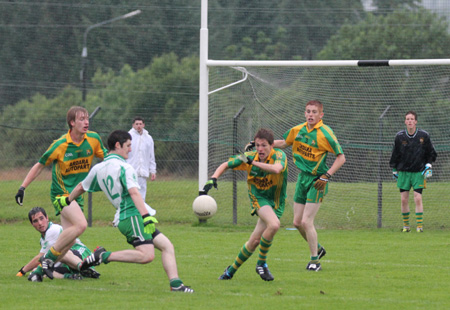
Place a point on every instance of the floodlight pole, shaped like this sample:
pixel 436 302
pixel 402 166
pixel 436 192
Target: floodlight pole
pixel 380 177
pixel 84 53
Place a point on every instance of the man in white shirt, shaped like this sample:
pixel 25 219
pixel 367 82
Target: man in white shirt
pixel 142 156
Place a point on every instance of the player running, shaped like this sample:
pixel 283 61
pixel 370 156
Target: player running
pixel 118 180
pixel 311 142
pixel 71 158
pixel 267 180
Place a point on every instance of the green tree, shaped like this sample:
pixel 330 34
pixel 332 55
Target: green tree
pixel 404 34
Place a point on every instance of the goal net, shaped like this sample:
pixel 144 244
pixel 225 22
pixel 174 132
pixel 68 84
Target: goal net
pixel 365 106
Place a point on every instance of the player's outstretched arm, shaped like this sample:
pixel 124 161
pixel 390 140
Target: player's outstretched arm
pixel 32 174
pixel 281 144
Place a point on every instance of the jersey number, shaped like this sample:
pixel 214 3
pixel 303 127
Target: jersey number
pixel 109 184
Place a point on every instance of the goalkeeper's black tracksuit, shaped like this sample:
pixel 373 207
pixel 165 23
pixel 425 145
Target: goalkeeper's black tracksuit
pixel 411 153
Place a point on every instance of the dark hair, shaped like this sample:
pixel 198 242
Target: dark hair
pixel 316 103
pixel 36 210
pixel 120 136
pixel 265 134
pixel 138 118
pixel 413 113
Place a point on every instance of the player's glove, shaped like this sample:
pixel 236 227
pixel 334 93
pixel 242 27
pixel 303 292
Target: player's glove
pixel 60 202
pixel 427 172
pixel 321 182
pixel 149 224
pixel 245 158
pixel 395 174
pixel 209 184
pixel 21 273
pixel 19 195
pixel 249 146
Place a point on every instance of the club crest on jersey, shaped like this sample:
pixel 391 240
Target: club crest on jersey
pixel 88 152
pixel 421 140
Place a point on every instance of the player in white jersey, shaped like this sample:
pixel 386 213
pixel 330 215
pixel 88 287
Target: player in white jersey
pixel 118 180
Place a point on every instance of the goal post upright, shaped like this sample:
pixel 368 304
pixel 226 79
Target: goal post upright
pixel 203 98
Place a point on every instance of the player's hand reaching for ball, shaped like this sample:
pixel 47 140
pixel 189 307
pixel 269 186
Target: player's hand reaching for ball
pixel 209 184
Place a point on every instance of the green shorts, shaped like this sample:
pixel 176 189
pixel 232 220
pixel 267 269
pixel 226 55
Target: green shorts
pixel 305 191
pixel 406 180
pixel 133 229
pixel 82 250
pixel 258 202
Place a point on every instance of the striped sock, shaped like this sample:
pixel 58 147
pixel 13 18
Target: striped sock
pixel 405 219
pixel 243 255
pixel 264 246
pixel 419 219
pixel 52 254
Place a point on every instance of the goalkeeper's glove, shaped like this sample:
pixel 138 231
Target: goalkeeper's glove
pixel 21 273
pixel 321 182
pixel 209 184
pixel 244 158
pixel 395 174
pixel 149 223
pixel 19 195
pixel 249 146
pixel 60 202
pixel 427 172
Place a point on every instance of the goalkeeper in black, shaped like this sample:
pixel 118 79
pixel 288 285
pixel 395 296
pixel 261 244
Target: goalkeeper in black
pixel 411 160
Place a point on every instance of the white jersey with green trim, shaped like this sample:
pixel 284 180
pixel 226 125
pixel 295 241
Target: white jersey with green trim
pixel 114 176
pixel 51 235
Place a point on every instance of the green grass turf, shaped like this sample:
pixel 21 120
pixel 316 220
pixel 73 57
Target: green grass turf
pixel 363 269
pixel 347 205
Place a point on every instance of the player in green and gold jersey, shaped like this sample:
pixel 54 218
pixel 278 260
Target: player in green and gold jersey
pixel 311 142
pixel 71 157
pixel 267 180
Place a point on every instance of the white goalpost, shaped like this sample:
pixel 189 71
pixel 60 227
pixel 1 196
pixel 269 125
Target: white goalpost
pixel 365 102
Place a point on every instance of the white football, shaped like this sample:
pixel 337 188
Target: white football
pixel 204 207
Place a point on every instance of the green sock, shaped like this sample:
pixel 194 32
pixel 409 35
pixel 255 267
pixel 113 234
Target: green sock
pixel 264 246
pixel 243 255
pixel 314 259
pixel 105 256
pixel 39 270
pixel 318 246
pixel 52 254
pixel 419 219
pixel 175 282
pixel 405 219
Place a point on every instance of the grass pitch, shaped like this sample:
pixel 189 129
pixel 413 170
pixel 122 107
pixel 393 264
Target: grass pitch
pixel 363 269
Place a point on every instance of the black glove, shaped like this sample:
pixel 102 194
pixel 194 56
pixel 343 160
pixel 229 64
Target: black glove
pixel 321 182
pixel 249 146
pixel 21 273
pixel 19 195
pixel 211 182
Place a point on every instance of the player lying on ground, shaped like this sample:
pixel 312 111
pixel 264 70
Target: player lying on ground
pixel 68 267
pixel 267 180
pixel 118 180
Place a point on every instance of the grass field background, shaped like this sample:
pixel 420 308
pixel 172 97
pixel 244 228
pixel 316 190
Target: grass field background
pixel 363 269
pixel 347 205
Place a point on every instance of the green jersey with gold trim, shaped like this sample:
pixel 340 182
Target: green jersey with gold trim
pixel 310 147
pixel 261 183
pixel 71 161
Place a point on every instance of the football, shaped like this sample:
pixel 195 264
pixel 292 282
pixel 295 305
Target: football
pixel 204 207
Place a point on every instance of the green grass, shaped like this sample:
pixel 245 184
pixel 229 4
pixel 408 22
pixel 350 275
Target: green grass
pixel 363 269
pixel 347 205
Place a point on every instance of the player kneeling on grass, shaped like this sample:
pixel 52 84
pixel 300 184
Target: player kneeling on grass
pixel 118 180
pixel 68 266
pixel 267 180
